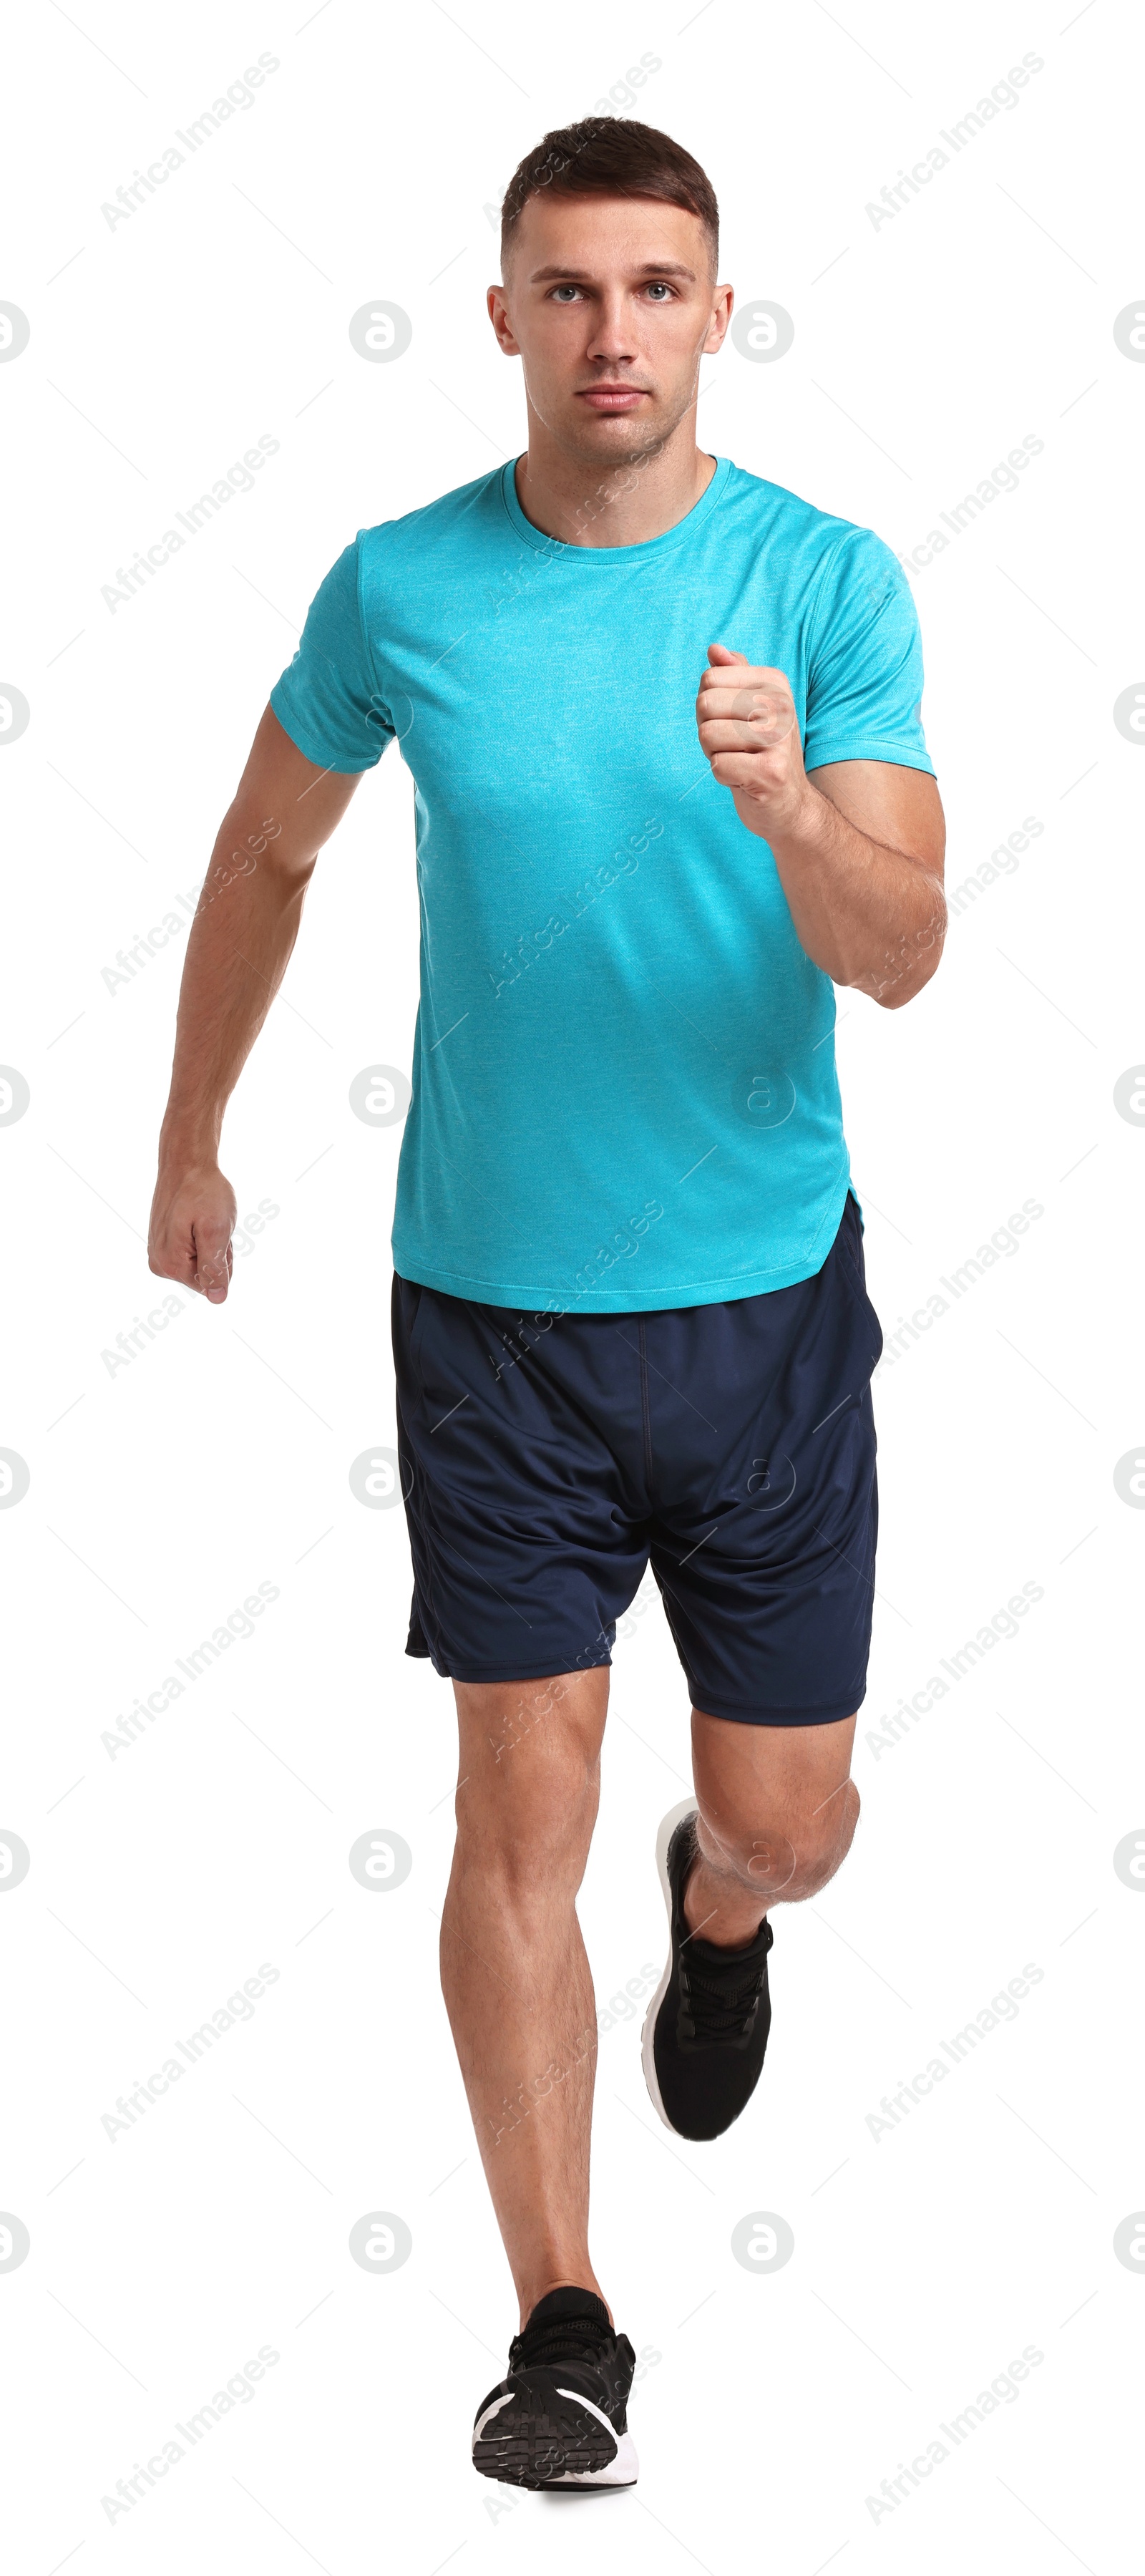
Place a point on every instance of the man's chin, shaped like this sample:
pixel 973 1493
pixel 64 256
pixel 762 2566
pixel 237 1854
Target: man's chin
pixel 604 436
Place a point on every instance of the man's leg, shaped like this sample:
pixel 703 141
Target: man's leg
pixel 777 1812
pixel 774 1815
pixel 514 1973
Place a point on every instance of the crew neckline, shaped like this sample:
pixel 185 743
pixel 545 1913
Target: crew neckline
pixel 663 544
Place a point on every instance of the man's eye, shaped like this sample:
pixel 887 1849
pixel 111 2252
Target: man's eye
pixel 659 288
pixel 565 290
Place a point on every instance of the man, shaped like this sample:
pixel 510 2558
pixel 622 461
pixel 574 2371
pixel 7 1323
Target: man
pixel 629 1312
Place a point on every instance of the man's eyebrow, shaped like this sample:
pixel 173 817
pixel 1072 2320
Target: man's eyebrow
pixel 583 276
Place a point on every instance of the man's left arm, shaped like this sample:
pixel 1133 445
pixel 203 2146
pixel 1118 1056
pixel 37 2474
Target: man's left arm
pixel 858 844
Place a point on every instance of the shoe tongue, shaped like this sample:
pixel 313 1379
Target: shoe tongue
pixel 711 1955
pixel 560 2304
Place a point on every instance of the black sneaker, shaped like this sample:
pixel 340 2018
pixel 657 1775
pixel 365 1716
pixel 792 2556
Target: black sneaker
pixel 558 2420
pixel 706 2027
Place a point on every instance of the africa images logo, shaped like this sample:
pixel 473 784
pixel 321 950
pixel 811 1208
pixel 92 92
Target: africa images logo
pixel 1004 96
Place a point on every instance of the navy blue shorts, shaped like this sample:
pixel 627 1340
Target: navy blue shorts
pixel 548 1459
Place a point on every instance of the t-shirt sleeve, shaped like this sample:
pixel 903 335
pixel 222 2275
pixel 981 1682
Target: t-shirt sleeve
pixel 864 682
pixel 327 699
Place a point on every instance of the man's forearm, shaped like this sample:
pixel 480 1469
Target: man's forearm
pixel 867 914
pixel 237 953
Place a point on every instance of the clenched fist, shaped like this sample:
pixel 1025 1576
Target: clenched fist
pixel 192 1221
pixel 747 727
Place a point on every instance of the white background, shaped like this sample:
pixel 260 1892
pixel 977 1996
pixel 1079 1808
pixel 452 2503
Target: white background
pixel 165 1491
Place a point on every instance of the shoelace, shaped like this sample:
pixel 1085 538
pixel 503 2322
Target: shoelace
pixel 550 2342
pixel 716 2006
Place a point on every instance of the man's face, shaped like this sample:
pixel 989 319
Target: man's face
pixel 610 303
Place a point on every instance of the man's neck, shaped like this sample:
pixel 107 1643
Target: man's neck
pixel 623 503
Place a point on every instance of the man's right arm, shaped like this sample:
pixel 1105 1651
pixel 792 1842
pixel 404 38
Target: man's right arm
pixel 239 946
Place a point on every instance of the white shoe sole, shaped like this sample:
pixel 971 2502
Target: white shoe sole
pixel 668 1824
pixel 620 2472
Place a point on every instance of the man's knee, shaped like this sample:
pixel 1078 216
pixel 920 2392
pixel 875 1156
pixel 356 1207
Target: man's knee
pixel 782 1850
pixel 527 1804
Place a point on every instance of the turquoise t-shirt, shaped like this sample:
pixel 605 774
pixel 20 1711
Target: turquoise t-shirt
pixel 624 1088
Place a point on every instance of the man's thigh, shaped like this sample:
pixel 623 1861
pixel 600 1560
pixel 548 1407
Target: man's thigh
pixel 785 1775
pixel 517 1439
pixel 763 1546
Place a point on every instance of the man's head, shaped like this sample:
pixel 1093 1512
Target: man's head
pixel 609 240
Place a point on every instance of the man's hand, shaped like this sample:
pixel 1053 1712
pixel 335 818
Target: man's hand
pixel 192 1220
pixel 747 727
pixel 858 846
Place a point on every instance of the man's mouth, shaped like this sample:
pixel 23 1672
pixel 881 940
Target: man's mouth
pixel 612 397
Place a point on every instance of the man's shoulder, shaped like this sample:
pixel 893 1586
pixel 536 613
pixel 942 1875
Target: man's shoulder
pixel 450 518
pixel 789 521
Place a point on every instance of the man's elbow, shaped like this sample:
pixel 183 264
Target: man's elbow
pixel 896 995
pixel 917 960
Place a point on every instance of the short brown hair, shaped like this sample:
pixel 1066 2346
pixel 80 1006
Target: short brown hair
pixel 611 156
